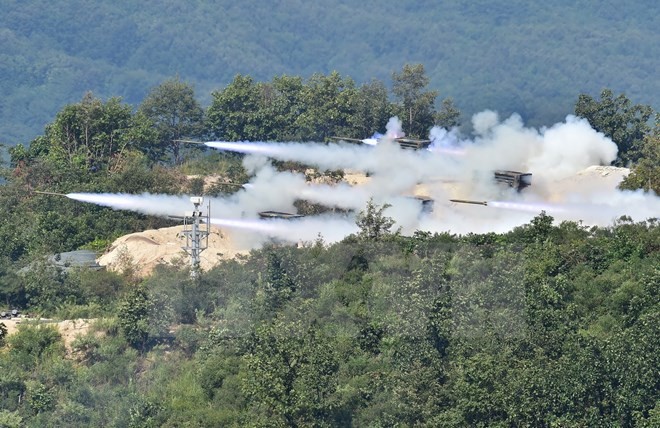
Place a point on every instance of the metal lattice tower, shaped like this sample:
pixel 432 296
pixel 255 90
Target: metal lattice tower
pixel 196 230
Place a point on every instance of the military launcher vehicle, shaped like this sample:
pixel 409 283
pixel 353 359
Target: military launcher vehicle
pixel 427 203
pixel 515 179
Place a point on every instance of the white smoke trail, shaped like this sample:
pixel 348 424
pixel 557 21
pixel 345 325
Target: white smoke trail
pixel 557 156
pixel 145 203
pixel 307 229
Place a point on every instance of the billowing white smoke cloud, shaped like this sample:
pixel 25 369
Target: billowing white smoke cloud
pixel 462 169
pixel 569 147
pixel 146 203
pixel 551 154
pixel 394 129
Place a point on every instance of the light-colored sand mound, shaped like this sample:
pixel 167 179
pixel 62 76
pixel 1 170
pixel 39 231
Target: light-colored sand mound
pixel 145 250
pixel 584 185
pixel 596 177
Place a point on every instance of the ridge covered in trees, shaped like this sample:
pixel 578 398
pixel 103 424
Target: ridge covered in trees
pixel 510 56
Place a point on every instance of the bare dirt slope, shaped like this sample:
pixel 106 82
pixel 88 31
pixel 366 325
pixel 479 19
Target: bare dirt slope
pixel 145 250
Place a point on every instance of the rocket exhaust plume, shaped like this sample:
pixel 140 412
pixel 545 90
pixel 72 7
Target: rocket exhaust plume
pixel 307 229
pixel 257 148
pixel 533 207
pixel 376 160
pixel 255 225
pixel 323 155
pixel 559 156
pixel 159 205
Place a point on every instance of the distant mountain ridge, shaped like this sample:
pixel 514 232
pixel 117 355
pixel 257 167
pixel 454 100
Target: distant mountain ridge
pixel 501 55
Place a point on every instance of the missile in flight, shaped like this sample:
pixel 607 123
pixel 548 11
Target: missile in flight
pixel 465 201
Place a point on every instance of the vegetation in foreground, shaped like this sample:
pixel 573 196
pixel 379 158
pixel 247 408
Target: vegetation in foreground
pixel 543 326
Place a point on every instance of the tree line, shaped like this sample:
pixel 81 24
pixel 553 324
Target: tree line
pixel 94 134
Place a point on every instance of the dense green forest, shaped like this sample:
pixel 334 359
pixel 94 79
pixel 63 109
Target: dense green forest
pixel 543 326
pixel 502 55
pixel 546 325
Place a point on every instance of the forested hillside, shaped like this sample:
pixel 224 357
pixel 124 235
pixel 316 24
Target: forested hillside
pixel 549 324
pixel 544 326
pixel 501 55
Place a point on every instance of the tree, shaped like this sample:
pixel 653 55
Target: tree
pixel 417 105
pixel 372 223
pixel 645 174
pixel 281 100
pixel 278 286
pixel 626 124
pixel 10 286
pixel 33 343
pixel 134 317
pixel 291 374
pixel 328 106
pixel 449 115
pixel 48 287
pixel 3 334
pixel 84 136
pixel 175 113
pixel 143 317
pixel 10 419
pixel 234 113
pixel 372 109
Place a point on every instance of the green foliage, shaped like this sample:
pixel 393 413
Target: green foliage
pixel 175 113
pixel 48 287
pixel 372 109
pixel 416 103
pixel 372 223
pixel 281 105
pixel 291 374
pixel 133 317
pixel 40 398
pixel 31 344
pixel 49 58
pixel 547 325
pixel 626 124
pixel 449 116
pixel 234 114
pixel 11 291
pixel 144 415
pixel 645 174
pixel 3 334
pixel 278 286
pixel 10 419
pixel 84 136
pixel 144 316
pixel 328 106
